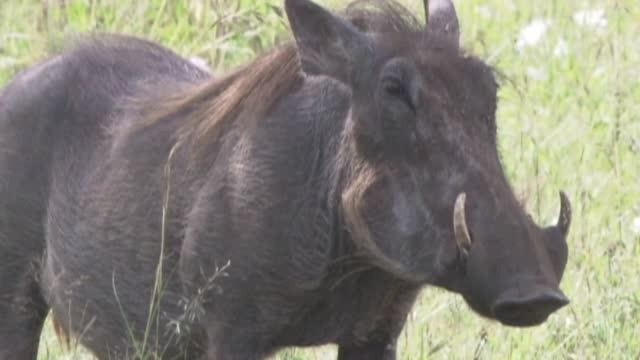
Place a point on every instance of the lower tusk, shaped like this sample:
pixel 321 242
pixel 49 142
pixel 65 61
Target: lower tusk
pixel 460 230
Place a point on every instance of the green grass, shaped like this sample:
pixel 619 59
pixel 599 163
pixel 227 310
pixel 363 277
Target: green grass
pixel 566 122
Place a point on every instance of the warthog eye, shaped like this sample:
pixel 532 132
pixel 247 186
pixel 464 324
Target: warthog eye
pixel 393 86
pixel 396 88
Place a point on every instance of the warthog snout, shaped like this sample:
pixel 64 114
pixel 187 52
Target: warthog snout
pixel 529 309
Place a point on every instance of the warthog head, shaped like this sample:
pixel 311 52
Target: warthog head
pixel 425 196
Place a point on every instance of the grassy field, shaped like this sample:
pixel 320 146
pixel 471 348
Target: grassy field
pixel 569 118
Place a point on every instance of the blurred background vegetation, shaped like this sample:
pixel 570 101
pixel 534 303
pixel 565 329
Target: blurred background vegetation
pixel 569 118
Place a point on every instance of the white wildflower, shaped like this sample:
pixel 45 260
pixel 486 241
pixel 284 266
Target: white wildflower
pixel 568 322
pixel 594 18
pixel 636 226
pixel 484 11
pixel 536 73
pixel 6 62
pixel 561 49
pixel 600 71
pixel 531 34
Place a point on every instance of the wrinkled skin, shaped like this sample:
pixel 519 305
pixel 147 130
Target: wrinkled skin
pixel 331 211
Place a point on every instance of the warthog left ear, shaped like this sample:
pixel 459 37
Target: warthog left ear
pixel 328 45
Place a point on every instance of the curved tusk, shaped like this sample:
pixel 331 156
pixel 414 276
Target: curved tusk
pixel 564 219
pixel 460 230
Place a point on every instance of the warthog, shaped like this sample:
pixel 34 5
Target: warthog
pixel 302 199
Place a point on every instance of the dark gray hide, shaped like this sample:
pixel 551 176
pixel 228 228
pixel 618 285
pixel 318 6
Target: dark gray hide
pixel 301 200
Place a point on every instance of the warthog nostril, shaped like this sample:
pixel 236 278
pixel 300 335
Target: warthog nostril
pixel 531 309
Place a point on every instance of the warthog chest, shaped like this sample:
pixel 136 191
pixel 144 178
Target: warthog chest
pixel 352 307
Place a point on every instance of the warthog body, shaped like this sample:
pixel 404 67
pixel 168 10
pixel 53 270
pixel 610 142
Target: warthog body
pixel 303 199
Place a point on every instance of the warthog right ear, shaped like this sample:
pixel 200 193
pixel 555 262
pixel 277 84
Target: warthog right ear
pixel 327 44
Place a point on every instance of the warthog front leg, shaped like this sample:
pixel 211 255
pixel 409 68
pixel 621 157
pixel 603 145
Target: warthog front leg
pixel 22 313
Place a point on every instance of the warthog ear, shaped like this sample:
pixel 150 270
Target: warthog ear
pixel 328 45
pixel 443 19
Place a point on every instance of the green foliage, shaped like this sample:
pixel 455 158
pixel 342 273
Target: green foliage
pixel 568 119
pixel 224 32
